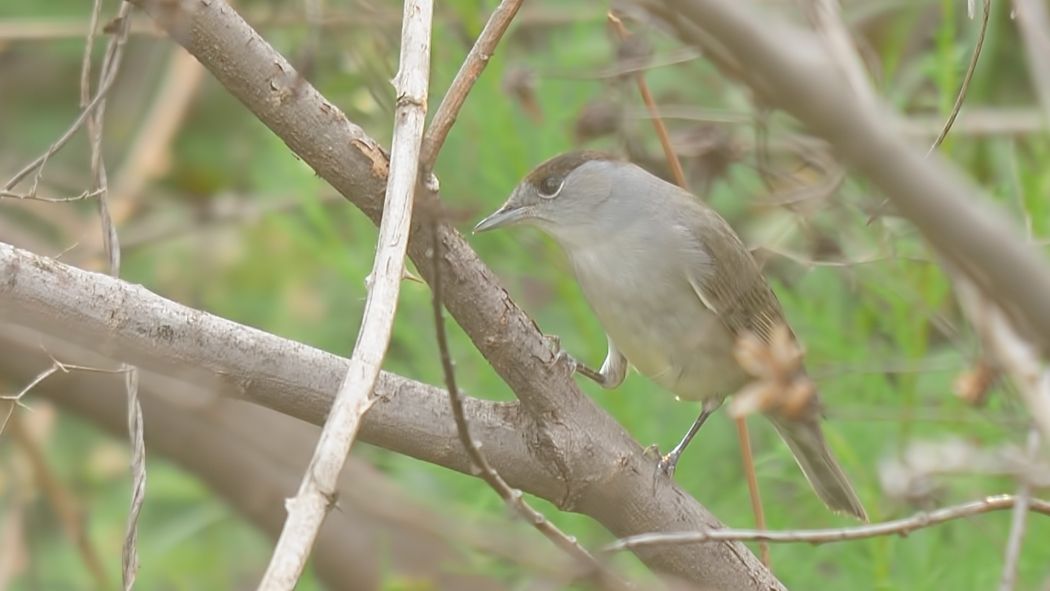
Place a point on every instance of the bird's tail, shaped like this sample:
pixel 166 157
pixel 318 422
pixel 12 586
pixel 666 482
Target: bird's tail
pixel 806 441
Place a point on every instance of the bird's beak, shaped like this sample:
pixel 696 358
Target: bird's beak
pixel 505 216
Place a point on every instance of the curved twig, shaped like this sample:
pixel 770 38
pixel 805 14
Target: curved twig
pixel 825 536
pixel 965 86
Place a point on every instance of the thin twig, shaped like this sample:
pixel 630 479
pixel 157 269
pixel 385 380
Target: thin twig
pixel 30 197
pixel 473 65
pixel 85 62
pixel 654 112
pixel 899 527
pixel 85 113
pixel 107 73
pixel 631 65
pixel 513 497
pixel 965 86
pixel 959 98
pixel 863 260
pixel 56 366
pixel 15 400
pixel 307 510
pixel 977 121
pixel 1019 519
pixel 129 552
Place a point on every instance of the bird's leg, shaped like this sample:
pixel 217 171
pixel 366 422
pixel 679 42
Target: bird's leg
pixel 670 461
pixel 613 370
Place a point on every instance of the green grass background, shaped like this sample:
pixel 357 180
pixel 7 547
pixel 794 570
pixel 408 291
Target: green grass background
pixel 884 367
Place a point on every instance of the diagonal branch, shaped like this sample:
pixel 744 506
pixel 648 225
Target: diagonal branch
pixel 316 494
pixel 126 322
pixel 477 59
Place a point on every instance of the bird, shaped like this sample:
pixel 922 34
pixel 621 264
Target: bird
pixel 674 288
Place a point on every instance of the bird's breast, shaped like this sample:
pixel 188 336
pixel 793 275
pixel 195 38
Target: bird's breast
pixel 643 299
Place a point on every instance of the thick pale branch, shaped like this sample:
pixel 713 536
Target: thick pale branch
pixel 127 322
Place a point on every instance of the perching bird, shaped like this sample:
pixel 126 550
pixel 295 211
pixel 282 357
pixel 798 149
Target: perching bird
pixel 674 288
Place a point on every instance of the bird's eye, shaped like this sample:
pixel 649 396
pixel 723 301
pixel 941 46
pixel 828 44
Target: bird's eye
pixel 550 187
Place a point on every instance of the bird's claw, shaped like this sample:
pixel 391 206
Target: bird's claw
pixel 561 355
pixel 667 464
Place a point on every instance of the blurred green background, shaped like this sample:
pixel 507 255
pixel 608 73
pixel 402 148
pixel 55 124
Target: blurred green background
pixel 234 224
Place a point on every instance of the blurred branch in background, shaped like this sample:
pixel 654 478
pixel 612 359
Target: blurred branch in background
pixel 290 15
pixel 1033 21
pixel 149 154
pixel 61 499
pixel 953 214
pixel 1019 520
pixel 1022 361
pixel 826 17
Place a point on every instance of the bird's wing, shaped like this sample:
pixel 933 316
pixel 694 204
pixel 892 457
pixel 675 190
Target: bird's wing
pixel 732 285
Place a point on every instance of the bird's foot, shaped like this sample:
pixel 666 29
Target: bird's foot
pixel 561 355
pixel 665 464
pixel 668 463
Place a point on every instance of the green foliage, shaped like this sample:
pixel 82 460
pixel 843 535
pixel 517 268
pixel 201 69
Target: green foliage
pixel 884 337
